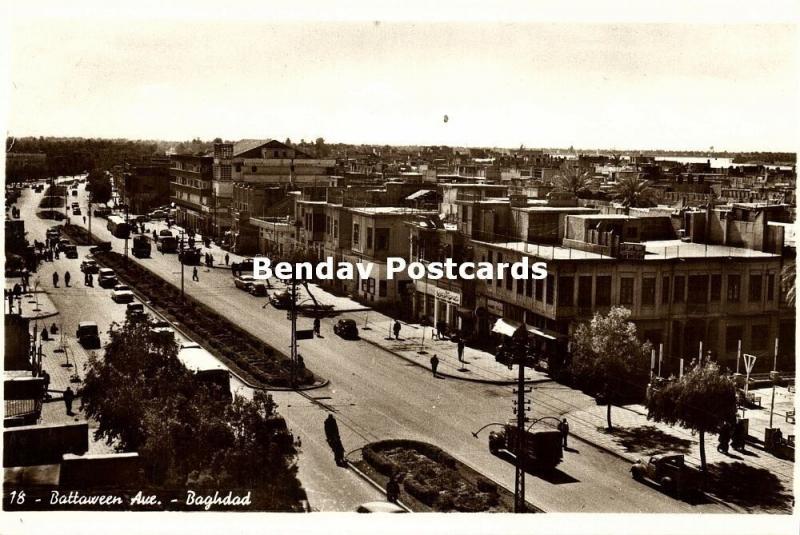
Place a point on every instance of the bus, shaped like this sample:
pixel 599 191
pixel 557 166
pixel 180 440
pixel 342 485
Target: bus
pixel 118 227
pixel 205 367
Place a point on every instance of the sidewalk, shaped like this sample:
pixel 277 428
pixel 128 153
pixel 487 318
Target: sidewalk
pixel 479 366
pixel 35 305
pixel 753 481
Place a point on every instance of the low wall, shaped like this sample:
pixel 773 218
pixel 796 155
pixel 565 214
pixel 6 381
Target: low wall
pixel 43 444
pixel 119 470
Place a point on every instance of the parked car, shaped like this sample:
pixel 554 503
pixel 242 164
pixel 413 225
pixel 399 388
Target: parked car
pixel 103 246
pixel 165 232
pixel 88 335
pixel 134 310
pixel 63 242
pixel 76 211
pixel 53 233
pixel 158 214
pixel 89 266
pixel 244 282
pixel 259 289
pixel 70 251
pixel 671 473
pixel 281 300
pixel 189 256
pixel 346 328
pixel 380 507
pixel 162 327
pixel 122 294
pixel 106 278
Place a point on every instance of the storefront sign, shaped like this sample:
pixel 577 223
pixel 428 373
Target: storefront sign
pixel 447 296
pixel 494 307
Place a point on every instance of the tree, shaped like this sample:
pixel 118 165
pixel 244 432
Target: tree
pixel 322 150
pixel 702 400
pixel 186 432
pixel 99 185
pixel 574 180
pixel 789 282
pixel 607 353
pixel 633 192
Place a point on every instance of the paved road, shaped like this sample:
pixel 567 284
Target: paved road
pixel 376 395
pixel 329 487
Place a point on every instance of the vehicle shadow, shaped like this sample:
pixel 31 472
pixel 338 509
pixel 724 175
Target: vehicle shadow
pixel 747 486
pixel 647 440
pixel 553 476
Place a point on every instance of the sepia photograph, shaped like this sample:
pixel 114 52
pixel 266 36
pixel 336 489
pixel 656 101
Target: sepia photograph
pixel 463 260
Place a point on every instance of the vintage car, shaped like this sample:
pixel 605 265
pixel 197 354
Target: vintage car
pixel 346 328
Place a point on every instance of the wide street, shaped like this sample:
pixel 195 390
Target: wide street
pixel 374 395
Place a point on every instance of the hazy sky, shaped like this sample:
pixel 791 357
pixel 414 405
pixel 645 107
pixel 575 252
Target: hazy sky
pixel 500 84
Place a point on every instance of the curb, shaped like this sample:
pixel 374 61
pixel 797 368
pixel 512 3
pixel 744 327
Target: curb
pixel 374 483
pixel 457 377
pixel 40 316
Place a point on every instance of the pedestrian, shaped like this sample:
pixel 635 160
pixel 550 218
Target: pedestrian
pixel 155 235
pixel 45 384
pixel 563 426
pixel 194 274
pixel 396 329
pixel 227 259
pixel 55 280
pixel 434 364
pixel 67 278
pixel 460 347
pixel 724 438
pixel 84 220
pixel 316 326
pixel 91 280
pixel 334 440
pixel 45 336
pixel 210 260
pixel 69 395
pixel 392 489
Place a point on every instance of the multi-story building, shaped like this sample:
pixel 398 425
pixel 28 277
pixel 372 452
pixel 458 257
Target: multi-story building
pixel 191 191
pixel 144 186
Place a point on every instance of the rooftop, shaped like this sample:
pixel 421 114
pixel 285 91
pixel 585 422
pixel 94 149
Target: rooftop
pixel 667 249
pixel 546 252
pixel 390 210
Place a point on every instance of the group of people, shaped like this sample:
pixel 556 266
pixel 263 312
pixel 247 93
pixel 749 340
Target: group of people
pixel 730 435
pixel 67 279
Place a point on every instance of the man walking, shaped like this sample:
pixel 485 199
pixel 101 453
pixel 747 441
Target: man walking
pixel 46 384
pixel 316 326
pixel 55 280
pixel 334 440
pixel 460 347
pixel 69 395
pixel 396 329
pixel 227 259
pixel 195 277
pixel 67 278
pixel 434 364
pixel 563 426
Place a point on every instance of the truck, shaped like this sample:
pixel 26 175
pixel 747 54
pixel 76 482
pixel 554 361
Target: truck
pixel 541 450
pixel 118 227
pixel 88 335
pixel 671 473
pixel 141 247
pixel 189 256
pixel 167 244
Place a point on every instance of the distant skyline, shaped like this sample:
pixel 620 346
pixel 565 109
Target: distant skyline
pixel 623 87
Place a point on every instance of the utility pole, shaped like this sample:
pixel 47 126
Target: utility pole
pixel 127 231
pixel 90 218
pixel 293 318
pixel 521 408
pixel 180 253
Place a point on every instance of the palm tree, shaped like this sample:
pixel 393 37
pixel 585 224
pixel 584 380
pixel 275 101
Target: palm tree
pixel 633 192
pixel 574 180
pixel 788 284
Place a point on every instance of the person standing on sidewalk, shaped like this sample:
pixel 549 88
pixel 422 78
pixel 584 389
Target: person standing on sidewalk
pixel 227 259
pixel 194 274
pixel 460 347
pixel 67 278
pixel 55 280
pixel 434 364
pixel 396 329
pixel 46 384
pixel 69 396
pixel 316 326
pixel 563 426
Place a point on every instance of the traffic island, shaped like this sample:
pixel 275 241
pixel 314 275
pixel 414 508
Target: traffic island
pixel 258 363
pixel 430 479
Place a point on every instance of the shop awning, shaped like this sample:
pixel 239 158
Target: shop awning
pixel 508 327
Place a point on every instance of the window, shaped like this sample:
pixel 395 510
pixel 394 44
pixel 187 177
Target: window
pixel 566 286
pixel 382 289
pixel 335 228
pixel 381 239
pixel 716 287
pixel 734 288
pixel 755 288
pixel 680 289
pixel 371 286
pixel 509 281
pixel 648 291
pixel 529 287
pixel 602 289
pixel 356 236
pixel 520 284
pixel 464 214
pixel 626 291
pixel 759 336
pixel 539 289
pixel 698 289
pixel 369 237
pixel 665 290
pixel 585 291
pixel 254 169
pixel 550 290
pixel 499 261
pixel 732 336
pixel 238 168
pixel 770 287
